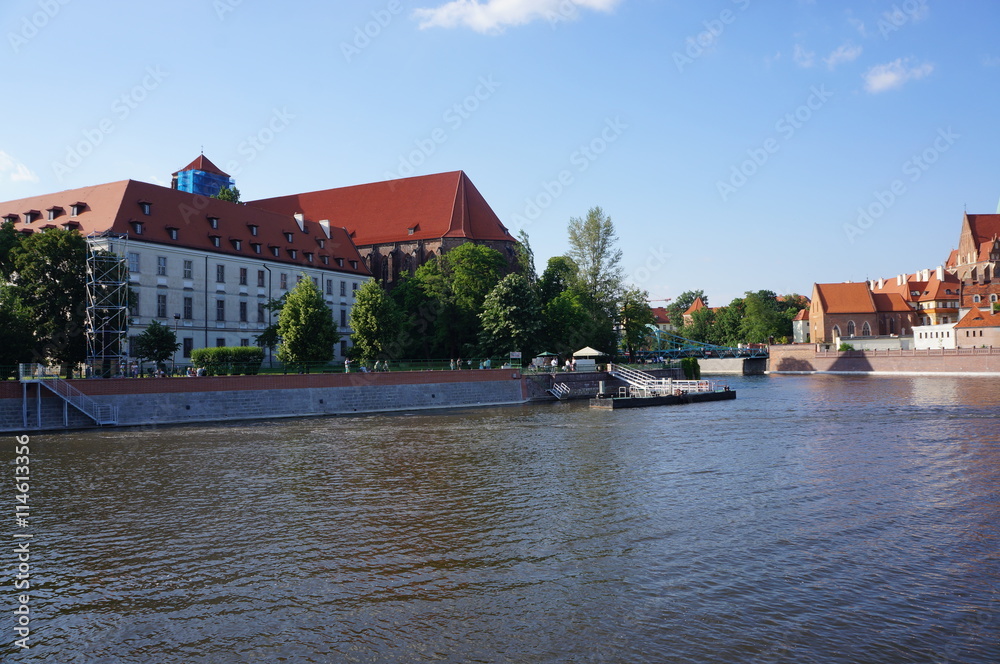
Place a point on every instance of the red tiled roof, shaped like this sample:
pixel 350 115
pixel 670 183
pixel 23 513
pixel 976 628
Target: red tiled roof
pixel 697 305
pixel 936 289
pixel 979 318
pixel 952 259
pixel 848 298
pixel 115 207
pixel 802 315
pixel 890 303
pixel 202 163
pixel 418 208
pixel 660 314
pixel 984 227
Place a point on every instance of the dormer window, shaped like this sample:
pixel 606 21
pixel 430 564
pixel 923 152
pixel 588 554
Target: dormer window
pixel 340 262
pixel 309 256
pixel 253 229
pixel 256 247
pixel 275 251
pixel 289 237
pixel 213 222
pixel 354 265
pixel 70 225
pixel 146 207
pixel 238 245
pixel 11 218
pixel 172 232
pixel 293 253
pixel 137 227
pixel 321 242
pixel 325 259
pixel 413 229
pixel 216 240
pixel 76 208
pixel 54 212
pixel 31 215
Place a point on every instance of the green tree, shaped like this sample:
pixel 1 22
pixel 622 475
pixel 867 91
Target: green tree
pixel 9 239
pixel 510 318
pixel 15 335
pixel 727 329
pixel 306 327
pixel 593 247
pixel 456 285
pixel 635 316
pixel 156 344
pixel 377 321
pixel 762 318
pixel 701 325
pixel 47 282
pixel 526 257
pixel 269 337
pixel 565 323
pixel 231 194
pixel 559 275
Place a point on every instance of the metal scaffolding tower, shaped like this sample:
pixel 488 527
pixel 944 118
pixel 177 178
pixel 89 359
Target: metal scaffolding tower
pixel 107 303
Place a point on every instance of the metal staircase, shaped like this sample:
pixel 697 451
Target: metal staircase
pixel 559 390
pixel 641 383
pixel 102 414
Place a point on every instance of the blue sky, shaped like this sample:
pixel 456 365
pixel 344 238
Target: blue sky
pixel 736 144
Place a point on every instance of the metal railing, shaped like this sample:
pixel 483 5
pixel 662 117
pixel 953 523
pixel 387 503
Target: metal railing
pixel 37 373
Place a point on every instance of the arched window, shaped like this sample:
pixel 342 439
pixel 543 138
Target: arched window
pixel 836 331
pixel 977 299
pixel 850 328
pixel 866 330
pixel 993 298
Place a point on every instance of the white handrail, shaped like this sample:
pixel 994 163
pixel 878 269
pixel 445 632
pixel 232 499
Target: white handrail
pixel 100 413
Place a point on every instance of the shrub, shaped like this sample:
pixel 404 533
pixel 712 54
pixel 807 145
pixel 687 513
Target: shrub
pixel 229 360
pixel 691 368
pixel 844 346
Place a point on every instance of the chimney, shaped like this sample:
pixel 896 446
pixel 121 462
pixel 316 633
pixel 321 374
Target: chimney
pixel 940 273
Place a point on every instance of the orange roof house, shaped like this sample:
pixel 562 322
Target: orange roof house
pixel 398 225
pixel 841 311
pixel 978 255
pixel 978 328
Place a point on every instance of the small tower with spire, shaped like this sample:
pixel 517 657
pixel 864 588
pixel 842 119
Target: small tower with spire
pixel 201 177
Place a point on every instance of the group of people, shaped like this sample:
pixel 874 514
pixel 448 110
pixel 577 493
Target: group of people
pixel 553 364
pixel 380 365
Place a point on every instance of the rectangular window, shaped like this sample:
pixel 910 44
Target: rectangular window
pixel 244 342
pixel 329 286
pixel 243 276
pixel 260 312
pixel 354 290
pixel 298 278
pixel 343 348
pixel 188 346
pixel 188 269
pixel 343 317
pixel 220 310
pixel 133 262
pixel 343 288
pixel 161 266
pixel 188 308
pixel 219 342
pixel 283 280
pixel 243 312
pixel 133 303
pixel 161 305
pixel 173 233
pixel 220 274
pixel 260 278
pixel 316 282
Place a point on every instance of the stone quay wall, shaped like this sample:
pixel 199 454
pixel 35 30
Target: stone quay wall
pixel 154 401
pixel 806 359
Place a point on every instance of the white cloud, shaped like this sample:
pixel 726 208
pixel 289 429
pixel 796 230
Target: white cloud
pixel 894 74
pixel 493 16
pixel 802 57
pixel 14 171
pixel 845 53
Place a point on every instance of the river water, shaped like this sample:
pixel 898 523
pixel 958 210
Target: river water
pixel 814 519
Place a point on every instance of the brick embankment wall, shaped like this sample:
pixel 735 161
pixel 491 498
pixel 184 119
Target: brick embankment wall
pixel 803 358
pixel 150 401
